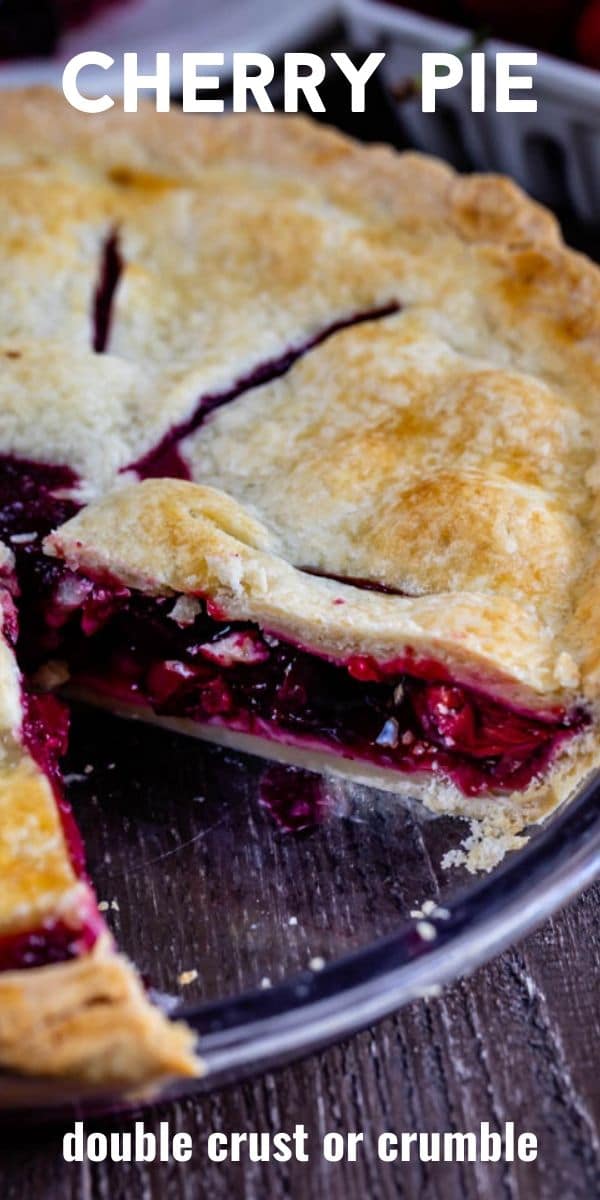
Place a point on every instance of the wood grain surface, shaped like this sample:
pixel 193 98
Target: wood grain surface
pixel 517 1041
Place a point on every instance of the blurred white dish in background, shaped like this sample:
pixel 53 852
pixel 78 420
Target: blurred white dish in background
pixel 147 26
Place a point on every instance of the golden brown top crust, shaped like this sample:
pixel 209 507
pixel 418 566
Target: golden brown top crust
pixel 167 536
pixel 152 153
pixel 443 472
pixel 449 451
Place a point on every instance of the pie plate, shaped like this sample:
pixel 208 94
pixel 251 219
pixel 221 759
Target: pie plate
pixel 320 931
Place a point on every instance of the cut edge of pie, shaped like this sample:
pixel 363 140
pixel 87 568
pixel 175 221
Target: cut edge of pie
pixel 499 735
pixel 71 1006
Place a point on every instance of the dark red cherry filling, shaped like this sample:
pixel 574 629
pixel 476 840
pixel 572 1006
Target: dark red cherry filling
pixel 53 942
pixel 44 733
pixel 111 267
pixel 296 800
pixel 33 499
pixel 406 715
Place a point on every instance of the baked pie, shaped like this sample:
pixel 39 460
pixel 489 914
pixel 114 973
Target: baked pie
pixel 298 453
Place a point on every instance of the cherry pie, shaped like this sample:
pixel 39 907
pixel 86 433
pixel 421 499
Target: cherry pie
pixel 298 452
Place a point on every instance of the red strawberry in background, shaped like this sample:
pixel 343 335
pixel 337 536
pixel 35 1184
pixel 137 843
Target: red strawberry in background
pixel 587 35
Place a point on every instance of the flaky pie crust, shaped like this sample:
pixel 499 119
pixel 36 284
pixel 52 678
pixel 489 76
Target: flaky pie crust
pixel 86 1019
pixel 89 1019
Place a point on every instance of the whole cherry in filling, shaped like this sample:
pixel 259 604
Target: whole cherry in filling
pixel 172 655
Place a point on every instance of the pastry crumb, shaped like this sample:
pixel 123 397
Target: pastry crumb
pixel 431 991
pixel 483 848
pixel 293 921
pixel 427 931
pixel 185 610
pixel 187 977
pixel 566 671
pixel 265 982
pixel 317 963
pixel 430 908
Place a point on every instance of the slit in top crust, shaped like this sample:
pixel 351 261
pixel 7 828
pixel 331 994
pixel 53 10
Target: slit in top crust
pixel 111 267
pixel 165 459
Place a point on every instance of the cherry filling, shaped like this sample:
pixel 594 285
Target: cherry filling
pixel 44 734
pixel 111 267
pixel 296 799
pixel 33 499
pixel 53 942
pixel 178 659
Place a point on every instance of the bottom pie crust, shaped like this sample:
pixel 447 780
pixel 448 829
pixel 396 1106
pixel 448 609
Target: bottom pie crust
pixel 89 1019
pixel 502 816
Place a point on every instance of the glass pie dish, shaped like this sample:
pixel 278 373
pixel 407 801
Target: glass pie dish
pixel 277 927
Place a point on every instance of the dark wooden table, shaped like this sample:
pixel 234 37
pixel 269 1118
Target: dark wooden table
pixel 518 1041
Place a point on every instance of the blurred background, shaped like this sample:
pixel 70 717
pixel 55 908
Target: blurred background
pixel 554 153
